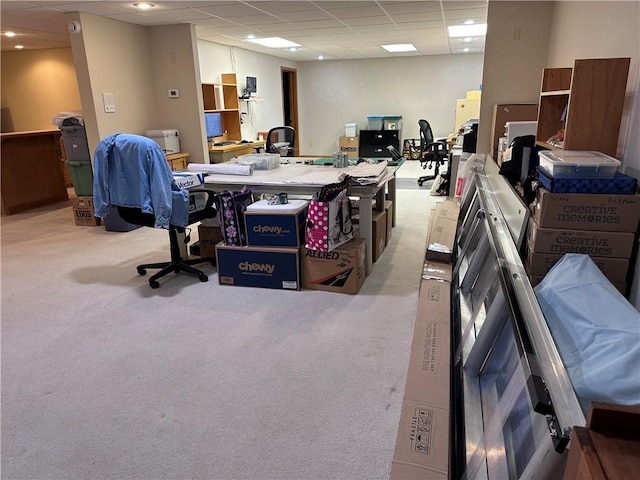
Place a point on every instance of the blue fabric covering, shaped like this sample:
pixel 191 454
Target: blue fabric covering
pixel 596 331
pixel 132 171
pixel 619 183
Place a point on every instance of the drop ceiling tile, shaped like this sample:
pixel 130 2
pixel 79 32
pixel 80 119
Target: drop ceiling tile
pixel 411 7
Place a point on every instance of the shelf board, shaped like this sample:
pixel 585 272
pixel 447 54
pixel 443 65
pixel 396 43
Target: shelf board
pixel 222 110
pixel 548 145
pixel 555 92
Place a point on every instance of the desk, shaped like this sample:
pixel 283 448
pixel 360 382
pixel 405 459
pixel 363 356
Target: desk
pixel 31 174
pixel 225 153
pixel 291 179
pixel 177 161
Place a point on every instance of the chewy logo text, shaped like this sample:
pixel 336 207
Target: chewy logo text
pixel 267 229
pixel 256 267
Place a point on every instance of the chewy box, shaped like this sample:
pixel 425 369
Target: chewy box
pixel 341 270
pixel 275 225
pixel 264 267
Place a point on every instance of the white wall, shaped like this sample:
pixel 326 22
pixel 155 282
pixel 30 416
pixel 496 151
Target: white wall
pixel 332 93
pixel 515 55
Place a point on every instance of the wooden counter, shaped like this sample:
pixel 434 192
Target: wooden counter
pixel 30 170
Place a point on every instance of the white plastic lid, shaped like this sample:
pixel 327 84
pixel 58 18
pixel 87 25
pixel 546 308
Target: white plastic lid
pixel 579 158
pixel 262 206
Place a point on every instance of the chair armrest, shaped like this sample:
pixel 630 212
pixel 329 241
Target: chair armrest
pixel 211 196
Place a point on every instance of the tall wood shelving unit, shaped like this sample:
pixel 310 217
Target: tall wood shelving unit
pixel 223 97
pixel 593 94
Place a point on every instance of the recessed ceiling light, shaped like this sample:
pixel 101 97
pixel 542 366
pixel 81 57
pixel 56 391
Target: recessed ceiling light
pixel 320 57
pixel 469 22
pixel 144 5
pixel 467 39
pixel 293 49
pixel 19 47
pixel 466 49
pixel 249 37
pixel 9 34
pixel 273 42
pixel 477 30
pixel 399 47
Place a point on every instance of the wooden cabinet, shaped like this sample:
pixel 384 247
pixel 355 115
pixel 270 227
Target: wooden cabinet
pixel 585 103
pixel 31 175
pixel 509 112
pixel 223 98
pixel 177 161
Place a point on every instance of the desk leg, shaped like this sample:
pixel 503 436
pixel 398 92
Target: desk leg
pixel 366 204
pixel 392 196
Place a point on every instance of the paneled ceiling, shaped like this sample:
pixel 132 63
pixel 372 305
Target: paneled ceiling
pixel 331 29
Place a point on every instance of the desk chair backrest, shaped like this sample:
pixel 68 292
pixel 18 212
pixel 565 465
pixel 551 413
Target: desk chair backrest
pixel 131 171
pixel 281 140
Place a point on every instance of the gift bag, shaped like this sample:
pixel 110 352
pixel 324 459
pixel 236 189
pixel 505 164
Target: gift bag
pixel 329 218
pixel 232 206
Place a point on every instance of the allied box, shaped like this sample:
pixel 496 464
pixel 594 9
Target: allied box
pixel 378 233
pixel 341 270
pixel 276 225
pixel 615 269
pixel 265 267
pixel 583 211
pixel 349 145
pixel 442 231
pixel 83 212
pixel 208 238
pixel 588 242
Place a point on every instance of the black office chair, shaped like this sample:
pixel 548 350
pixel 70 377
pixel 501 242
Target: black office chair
pixel 281 140
pixel 433 154
pixel 132 173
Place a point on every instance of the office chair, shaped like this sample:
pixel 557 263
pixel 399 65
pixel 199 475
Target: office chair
pixel 432 153
pixel 281 140
pixel 132 173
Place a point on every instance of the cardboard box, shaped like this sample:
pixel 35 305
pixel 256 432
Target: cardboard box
pixel 378 233
pixel 349 145
pixel 388 210
pixel 422 444
pixel 265 267
pixel 208 238
pixel 583 211
pixel 588 242
pixel 188 179
pixel 442 231
pixel 83 212
pixel 276 225
pixel 615 269
pixel 341 270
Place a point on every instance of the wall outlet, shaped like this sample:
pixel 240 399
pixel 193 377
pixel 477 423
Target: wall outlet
pixel 174 93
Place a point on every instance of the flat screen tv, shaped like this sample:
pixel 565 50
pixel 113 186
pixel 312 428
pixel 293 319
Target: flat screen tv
pixel 213 124
pixel 252 85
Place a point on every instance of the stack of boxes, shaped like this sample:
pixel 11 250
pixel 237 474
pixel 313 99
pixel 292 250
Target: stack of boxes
pixel 76 148
pixel 349 142
pixel 275 255
pixel 585 207
pixel 271 258
pixel 381 226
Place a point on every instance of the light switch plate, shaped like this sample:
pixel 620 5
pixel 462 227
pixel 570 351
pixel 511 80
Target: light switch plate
pixel 174 93
pixel 109 102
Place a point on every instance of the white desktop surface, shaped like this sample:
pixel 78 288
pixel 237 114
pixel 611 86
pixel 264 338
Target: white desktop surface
pixel 298 178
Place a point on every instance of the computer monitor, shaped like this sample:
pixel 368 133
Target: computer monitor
pixel 252 85
pixel 213 124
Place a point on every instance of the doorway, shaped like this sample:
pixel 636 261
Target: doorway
pixel 290 102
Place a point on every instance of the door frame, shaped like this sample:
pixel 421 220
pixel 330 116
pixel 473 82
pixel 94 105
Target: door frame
pixel 290 93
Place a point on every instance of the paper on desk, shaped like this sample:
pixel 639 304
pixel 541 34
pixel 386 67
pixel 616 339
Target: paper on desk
pixel 366 173
pixel 225 168
pixel 320 176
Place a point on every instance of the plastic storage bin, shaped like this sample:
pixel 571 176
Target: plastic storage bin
pixel 74 138
pixel 375 123
pixel 260 161
pixel 577 163
pixel 82 177
pixel 392 123
pixel 350 129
